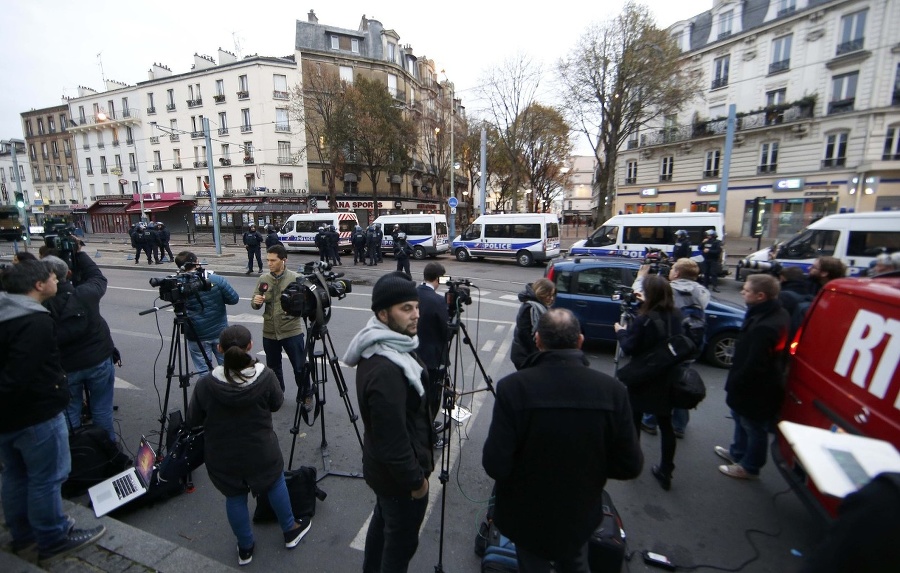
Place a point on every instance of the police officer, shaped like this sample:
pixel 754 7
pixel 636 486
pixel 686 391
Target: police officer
pixel 359 245
pixel 253 242
pixel 711 248
pixel 373 242
pixel 682 248
pixel 271 237
pixel 155 243
pixel 321 242
pixel 402 251
pixel 380 235
pixel 164 237
pixel 334 251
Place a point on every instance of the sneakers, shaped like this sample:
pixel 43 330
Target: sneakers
pixel 76 539
pixel 439 443
pixel 664 479
pixel 679 434
pixel 245 556
pixel 649 429
pixel 724 454
pixel 737 471
pixel 293 537
pixel 249 271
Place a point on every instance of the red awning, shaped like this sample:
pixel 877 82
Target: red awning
pixel 135 206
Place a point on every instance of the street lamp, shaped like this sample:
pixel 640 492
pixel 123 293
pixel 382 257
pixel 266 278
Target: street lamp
pixel 452 152
pixel 141 193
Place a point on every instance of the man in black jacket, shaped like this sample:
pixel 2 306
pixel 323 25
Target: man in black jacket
pixel 554 440
pixel 164 237
pixel 253 242
pixel 434 334
pixel 85 344
pixel 755 385
pixel 34 443
pixel 155 244
pixel 397 457
pixel 711 249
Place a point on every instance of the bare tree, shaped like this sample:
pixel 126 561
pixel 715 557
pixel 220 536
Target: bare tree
pixel 509 90
pixel 620 76
pixel 545 151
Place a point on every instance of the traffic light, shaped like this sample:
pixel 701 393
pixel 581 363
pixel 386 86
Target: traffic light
pixel 20 201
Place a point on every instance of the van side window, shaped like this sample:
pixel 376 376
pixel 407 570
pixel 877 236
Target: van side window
pixel 646 235
pixel 552 230
pixel 810 244
pixel 472 232
pixel 495 230
pixel 346 226
pixel 872 243
pixel 441 228
pixel 287 228
pixel 525 231
pixel 604 236
pixel 416 228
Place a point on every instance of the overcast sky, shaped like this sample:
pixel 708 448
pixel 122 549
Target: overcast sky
pixel 50 47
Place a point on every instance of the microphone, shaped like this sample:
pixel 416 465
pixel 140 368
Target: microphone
pixel 263 288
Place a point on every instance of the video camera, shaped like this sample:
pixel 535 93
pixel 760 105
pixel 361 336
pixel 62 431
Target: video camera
pixel 771 267
pixel 310 295
pixel 657 262
pixel 64 241
pixel 178 287
pixel 458 293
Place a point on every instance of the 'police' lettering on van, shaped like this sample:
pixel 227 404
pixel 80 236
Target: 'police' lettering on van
pixel 866 334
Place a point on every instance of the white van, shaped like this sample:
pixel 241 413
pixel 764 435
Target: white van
pixel 425 233
pixel 854 238
pixel 526 237
pixel 299 232
pixel 631 235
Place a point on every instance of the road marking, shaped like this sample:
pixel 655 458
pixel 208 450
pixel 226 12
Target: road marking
pixel 123 385
pixel 246 317
pixel 488 346
pixel 509 297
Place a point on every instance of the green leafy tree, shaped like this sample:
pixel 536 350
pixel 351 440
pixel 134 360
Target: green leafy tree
pixel 620 76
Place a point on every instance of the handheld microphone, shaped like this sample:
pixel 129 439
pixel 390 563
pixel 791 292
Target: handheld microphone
pixel 263 288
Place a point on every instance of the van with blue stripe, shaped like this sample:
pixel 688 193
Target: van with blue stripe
pixel 525 237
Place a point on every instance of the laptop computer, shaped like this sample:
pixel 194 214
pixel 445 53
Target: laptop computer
pixel 127 485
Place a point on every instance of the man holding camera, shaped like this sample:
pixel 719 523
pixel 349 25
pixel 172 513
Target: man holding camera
pixel 87 352
pixel 553 443
pixel 281 331
pixel 434 335
pixel 390 389
pixel 207 313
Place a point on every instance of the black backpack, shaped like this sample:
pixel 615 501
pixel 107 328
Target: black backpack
pixel 693 323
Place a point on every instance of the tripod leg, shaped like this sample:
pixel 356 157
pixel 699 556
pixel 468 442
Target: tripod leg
pixel 341 382
pixel 170 372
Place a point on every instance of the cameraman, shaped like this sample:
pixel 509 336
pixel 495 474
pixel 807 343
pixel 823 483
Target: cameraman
pixel 87 352
pixel 206 310
pixel 434 335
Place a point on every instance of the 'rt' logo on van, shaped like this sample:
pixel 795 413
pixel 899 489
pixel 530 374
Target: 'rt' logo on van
pixel 864 336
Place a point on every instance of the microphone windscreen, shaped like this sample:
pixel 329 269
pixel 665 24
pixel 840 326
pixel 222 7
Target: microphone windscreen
pixel 263 288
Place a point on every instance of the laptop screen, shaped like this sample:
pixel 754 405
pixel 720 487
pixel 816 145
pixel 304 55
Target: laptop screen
pixel 146 457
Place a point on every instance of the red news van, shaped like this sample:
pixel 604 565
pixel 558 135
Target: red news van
pixel 843 373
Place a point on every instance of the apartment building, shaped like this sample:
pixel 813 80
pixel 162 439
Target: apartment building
pixel 816 87
pixel 576 197
pixel 375 52
pixel 56 191
pixel 144 145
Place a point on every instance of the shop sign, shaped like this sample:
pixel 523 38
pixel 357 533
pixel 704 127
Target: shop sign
pixel 649 192
pixel 794 184
pixel 708 189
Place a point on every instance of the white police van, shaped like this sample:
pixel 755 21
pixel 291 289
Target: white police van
pixel 854 238
pixel 426 233
pixel 299 231
pixel 526 237
pixel 631 235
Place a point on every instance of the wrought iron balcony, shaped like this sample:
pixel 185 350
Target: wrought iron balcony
pixel 220 98
pixel 249 161
pixel 630 180
pixel 834 162
pixel 223 131
pixel 284 161
pixel 197 135
pixel 710 173
pixel 170 107
pixel 156 167
pixel 67 153
pixel 176 165
pixel 851 46
pixel 283 127
pixel 279 95
pixel 174 137
pixel 100 145
pixel 718 83
pixel 841 106
pixel 243 94
pixel 115 143
pixel 246 128
pixel 104 170
pixel 151 110
pixel 665 177
pixel 198 164
pixel 90 171
pixel 195 102
pixel 224 161
pixel 154 140
pixel 772 168
pixel 781 66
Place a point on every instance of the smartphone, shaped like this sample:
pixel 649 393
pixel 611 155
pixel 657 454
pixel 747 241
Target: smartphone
pixel 658 560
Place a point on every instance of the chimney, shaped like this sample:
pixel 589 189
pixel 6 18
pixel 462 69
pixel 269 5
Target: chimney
pixel 311 17
pixel 85 91
pixel 158 71
pixel 202 62
pixel 226 57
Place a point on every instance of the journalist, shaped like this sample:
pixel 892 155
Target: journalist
pixel 434 335
pixel 207 313
pixel 87 352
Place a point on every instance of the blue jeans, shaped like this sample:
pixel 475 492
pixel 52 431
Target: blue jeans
pixel 99 381
pixel 239 515
pixel 212 351
pixel 294 347
pixel 35 462
pixel 393 535
pixel 680 419
pixel 750 443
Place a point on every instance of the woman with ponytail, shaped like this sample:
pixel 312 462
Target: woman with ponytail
pixel 234 404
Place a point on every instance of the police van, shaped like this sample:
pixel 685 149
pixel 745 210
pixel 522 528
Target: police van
pixel 299 231
pixel 526 237
pixel 425 233
pixel 854 238
pixel 843 378
pixel 631 235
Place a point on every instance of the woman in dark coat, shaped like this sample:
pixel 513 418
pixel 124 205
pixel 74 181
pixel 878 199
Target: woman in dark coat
pixel 234 404
pixel 657 320
pixel 536 299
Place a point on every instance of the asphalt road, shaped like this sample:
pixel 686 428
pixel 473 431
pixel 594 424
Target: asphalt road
pixel 707 518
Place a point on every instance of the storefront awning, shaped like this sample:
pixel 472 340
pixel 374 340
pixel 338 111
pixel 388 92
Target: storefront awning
pixel 135 206
pixel 107 210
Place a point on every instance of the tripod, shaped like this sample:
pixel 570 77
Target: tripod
pixel 178 357
pixel 450 396
pixel 316 371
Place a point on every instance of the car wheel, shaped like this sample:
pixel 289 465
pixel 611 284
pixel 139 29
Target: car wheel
pixel 524 258
pixel 462 255
pixel 720 349
pixel 419 253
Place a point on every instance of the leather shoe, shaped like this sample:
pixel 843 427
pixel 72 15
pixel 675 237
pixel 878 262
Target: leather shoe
pixel 664 479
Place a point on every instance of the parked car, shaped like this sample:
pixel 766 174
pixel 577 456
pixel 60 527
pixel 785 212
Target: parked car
pixel 591 288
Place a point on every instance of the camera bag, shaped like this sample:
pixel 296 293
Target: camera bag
pixel 647 367
pixel 303 491
pixel 95 458
pixel 688 389
pixel 606 547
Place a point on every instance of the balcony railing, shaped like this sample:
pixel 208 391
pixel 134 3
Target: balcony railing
pixel 100 145
pixel 176 166
pixel 115 143
pixel 67 153
pixel 197 135
pixel 841 106
pixel 48 179
pixel 890 157
pixel 630 180
pixel 154 139
pixel 632 143
pixel 718 83
pixel 156 167
pixel 174 137
pixel 767 168
pixel 90 171
pixel 223 131
pixel 170 107
pixel 781 66
pixel 834 162
pixel 283 127
pixel 132 168
pixel 284 161
pixel 279 95
pixel 220 98
pixel 249 161
pixel 665 177
pixel 224 161
pixel 851 46
pixel 246 128
pixel 723 35
pixel 710 173
pixel 195 102
pixel 243 94
pixel 151 110
pixel 198 164
pixel 786 11
pixel 104 170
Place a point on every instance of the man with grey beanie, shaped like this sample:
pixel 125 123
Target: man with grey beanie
pixel 397 456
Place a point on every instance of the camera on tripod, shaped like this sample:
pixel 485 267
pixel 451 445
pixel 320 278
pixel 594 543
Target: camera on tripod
pixel 657 262
pixel 178 287
pixel 459 292
pixel 310 295
pixel 627 298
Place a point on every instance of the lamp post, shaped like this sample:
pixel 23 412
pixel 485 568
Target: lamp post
pixel 452 152
pixel 141 193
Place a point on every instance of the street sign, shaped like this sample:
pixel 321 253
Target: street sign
pixel 453 202
pixel 452 210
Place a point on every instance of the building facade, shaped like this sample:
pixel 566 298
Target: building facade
pixel 144 146
pixel 816 87
pixel 576 200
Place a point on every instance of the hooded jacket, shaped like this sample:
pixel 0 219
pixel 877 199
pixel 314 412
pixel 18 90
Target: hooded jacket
pixel 33 386
pixel 526 323
pixel 689 293
pixel 241 449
